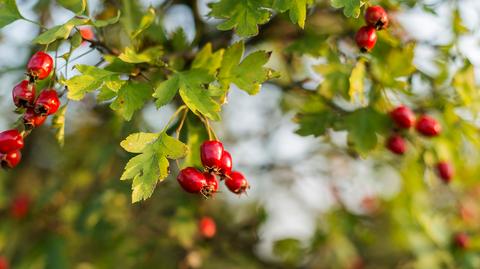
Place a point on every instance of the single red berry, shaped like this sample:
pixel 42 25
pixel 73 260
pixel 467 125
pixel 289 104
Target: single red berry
pixel 377 17
pixel 226 164
pixel 47 102
pixel 428 126
pixel 11 159
pixel 207 227
pixel 366 38
pixel 4 263
pixel 87 33
pixel 396 144
pixel 211 154
pixel 462 240
pixel 10 140
pixel 445 171
pixel 23 94
pixel 32 120
pixel 212 185
pixel 237 183
pixel 192 180
pixel 20 207
pixel 40 65
pixel 403 117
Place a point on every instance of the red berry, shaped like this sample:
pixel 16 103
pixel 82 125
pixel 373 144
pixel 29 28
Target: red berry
pixel 396 144
pixel 366 38
pixel 32 119
pixel 10 140
pixel 462 240
pixel 23 94
pixel 207 227
pixel 226 164
pixel 445 171
pixel 377 17
pixel 211 154
pixel 87 33
pixel 428 126
pixel 237 183
pixel 403 117
pixel 11 159
pixel 212 185
pixel 192 180
pixel 4 263
pixel 47 102
pixel 40 65
pixel 19 207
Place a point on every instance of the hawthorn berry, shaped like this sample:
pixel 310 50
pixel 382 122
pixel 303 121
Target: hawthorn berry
pixel 20 207
pixel 47 102
pixel 32 120
pixel 11 159
pixel 403 117
pixel 237 183
pixel 462 240
pixel 192 180
pixel 366 38
pixel 23 94
pixel 428 126
pixel 40 65
pixel 212 185
pixel 226 164
pixel 10 140
pixel 87 33
pixel 445 171
pixel 396 144
pixel 207 227
pixel 211 153
pixel 377 17
pixel 4 263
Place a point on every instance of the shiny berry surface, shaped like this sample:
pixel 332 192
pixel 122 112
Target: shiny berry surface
pixel 377 17
pixel 212 184
pixel 10 140
pixel 237 183
pixel 428 126
pixel 47 102
pixel 192 180
pixel 207 227
pixel 396 144
pixel 445 171
pixel 211 154
pixel 20 207
pixel 32 119
pixel 40 65
pixel 366 38
pixel 23 94
pixel 11 159
pixel 226 164
pixel 403 117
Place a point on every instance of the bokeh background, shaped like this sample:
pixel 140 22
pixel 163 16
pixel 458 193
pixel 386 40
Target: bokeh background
pixel 311 204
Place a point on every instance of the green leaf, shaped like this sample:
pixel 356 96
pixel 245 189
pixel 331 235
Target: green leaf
pixel 363 125
pixel 205 59
pixel 8 12
pixel 297 8
pixel 357 81
pixel 244 16
pixel 136 143
pixel 336 76
pixel 248 74
pixel 194 134
pixel 316 123
pixel 106 22
pixel 131 97
pixel 151 165
pixel 145 22
pixel 58 123
pixel 91 79
pixel 151 55
pixel 191 84
pixel 351 8
pixel 76 6
pixel 464 84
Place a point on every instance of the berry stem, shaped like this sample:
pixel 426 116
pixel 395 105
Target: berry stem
pixel 182 121
pixel 172 118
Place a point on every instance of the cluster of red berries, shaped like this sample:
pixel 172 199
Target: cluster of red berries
pixel 217 162
pixel 404 118
pixel 376 19
pixel 36 108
